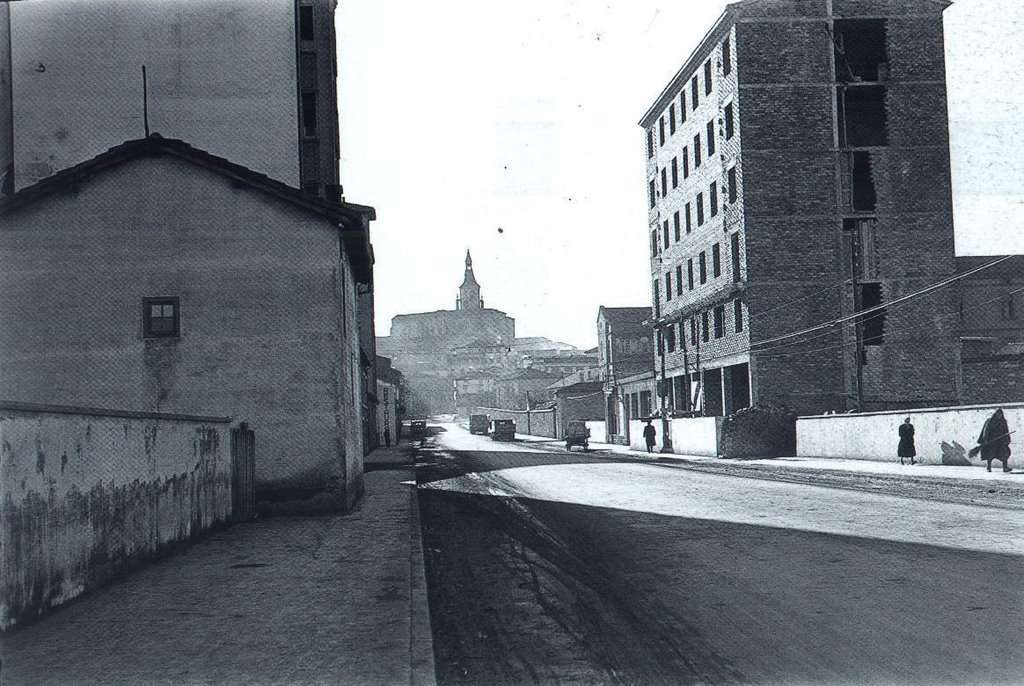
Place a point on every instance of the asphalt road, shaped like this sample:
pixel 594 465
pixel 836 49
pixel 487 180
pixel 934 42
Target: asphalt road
pixel 558 568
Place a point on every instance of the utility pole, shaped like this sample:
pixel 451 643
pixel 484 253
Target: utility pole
pixel 528 413
pixel 666 439
pixel 687 404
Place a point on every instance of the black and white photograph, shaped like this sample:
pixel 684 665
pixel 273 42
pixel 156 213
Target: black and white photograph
pixel 478 343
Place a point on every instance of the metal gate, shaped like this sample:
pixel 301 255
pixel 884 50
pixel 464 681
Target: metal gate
pixel 243 473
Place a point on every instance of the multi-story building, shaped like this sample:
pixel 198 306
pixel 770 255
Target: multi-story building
pixel 798 173
pixel 624 348
pixel 253 82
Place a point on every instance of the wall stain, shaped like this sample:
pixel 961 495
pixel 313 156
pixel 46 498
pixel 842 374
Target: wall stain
pixel 57 546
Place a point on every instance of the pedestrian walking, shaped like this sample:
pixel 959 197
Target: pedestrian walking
pixel 650 434
pixel 994 441
pixel 906 447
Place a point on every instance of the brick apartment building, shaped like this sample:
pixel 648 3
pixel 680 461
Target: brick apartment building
pixel 798 172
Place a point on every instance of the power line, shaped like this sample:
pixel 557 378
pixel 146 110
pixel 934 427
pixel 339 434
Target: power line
pixel 877 308
pixel 921 292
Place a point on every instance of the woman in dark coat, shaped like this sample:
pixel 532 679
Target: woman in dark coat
pixel 994 441
pixel 906 447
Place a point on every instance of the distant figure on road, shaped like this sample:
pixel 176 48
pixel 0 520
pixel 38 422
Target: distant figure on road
pixel 994 441
pixel 387 438
pixel 650 433
pixel 906 447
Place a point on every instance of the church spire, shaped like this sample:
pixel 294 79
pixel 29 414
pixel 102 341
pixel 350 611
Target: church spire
pixel 469 291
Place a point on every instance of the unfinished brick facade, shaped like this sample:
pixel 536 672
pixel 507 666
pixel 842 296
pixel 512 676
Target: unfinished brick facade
pixel 831 165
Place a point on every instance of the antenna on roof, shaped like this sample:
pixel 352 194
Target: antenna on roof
pixel 145 102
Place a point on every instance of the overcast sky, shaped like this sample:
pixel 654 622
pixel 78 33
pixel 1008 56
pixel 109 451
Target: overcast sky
pixel 510 128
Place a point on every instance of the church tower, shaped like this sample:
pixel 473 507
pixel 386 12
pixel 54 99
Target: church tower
pixel 469 291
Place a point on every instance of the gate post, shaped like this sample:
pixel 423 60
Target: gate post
pixel 243 473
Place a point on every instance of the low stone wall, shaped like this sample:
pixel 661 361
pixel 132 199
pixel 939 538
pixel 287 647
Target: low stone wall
pixel 534 422
pixel 89 493
pixel 942 435
pixel 690 436
pixel 758 432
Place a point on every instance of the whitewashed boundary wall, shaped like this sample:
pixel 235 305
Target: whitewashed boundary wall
pixel 942 435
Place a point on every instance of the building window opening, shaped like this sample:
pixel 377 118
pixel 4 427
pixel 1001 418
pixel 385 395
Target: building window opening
pixel 161 317
pixel 863 186
pixel 672 118
pixel 694 93
pixel 696 151
pixel 675 226
pixel 860 49
pixel 873 324
pixel 664 181
pixel 665 233
pixel 306 22
pixel 679 279
pixel 713 196
pixel 309 106
pixel 689 274
pixel 1009 309
pixel 711 138
pixel 702 268
pixel 686 163
pixel 653 193
pixel 720 321
pixel 661 131
pixel 716 259
pixel 668 286
pixel 735 249
pixel 737 314
pixel 670 333
pixel 730 122
pixel 675 172
pixel 693 330
pixel 689 218
pixel 654 243
pixel 707 77
pixel 726 57
pixel 704 330
pixel 650 143
pixel 700 209
pixel 733 185
pixel 682 106
pixel 862 117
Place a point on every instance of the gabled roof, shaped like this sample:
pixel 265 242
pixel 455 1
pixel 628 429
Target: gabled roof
pixel 625 315
pixel 352 220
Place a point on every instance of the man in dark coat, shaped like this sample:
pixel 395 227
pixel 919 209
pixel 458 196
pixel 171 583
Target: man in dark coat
pixel 649 436
pixel 906 447
pixel 994 441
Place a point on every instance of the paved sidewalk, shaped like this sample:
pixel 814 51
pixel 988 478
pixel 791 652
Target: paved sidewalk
pixel 330 599
pixel 974 472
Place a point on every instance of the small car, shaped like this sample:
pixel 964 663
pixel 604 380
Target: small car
pixel 418 429
pixel 504 430
pixel 479 424
pixel 577 433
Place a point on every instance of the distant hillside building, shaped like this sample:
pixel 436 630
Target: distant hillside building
pixel 434 348
pixel 798 173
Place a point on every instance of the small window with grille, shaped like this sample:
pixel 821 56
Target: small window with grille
pixel 161 317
